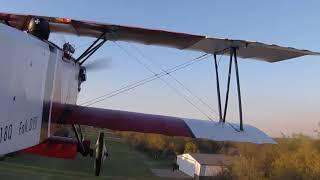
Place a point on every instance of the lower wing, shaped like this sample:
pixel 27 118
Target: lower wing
pixel 166 125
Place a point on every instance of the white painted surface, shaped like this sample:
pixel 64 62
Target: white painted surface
pixel 66 81
pixel 65 88
pixel 24 61
pixel 191 166
pixel 186 164
pixel 197 168
pixel 226 132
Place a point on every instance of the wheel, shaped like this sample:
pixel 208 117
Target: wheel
pixel 99 154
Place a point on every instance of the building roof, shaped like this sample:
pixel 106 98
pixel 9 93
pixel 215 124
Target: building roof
pixel 211 159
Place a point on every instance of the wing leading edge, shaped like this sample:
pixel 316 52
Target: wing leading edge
pixel 246 49
pixel 166 125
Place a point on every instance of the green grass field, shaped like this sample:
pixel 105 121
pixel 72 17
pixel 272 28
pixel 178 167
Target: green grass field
pixel 123 163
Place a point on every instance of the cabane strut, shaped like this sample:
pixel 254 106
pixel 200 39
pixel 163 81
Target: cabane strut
pixel 91 49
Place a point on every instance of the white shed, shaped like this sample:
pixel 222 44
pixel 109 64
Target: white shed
pixel 201 166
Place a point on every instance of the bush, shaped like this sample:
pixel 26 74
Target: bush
pixel 295 157
pixel 303 163
pixel 191 147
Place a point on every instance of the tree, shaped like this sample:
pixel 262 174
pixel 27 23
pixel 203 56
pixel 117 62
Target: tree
pixel 191 147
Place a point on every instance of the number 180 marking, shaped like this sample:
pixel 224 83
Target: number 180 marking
pixel 5 133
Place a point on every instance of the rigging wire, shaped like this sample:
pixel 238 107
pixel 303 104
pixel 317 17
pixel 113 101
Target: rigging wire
pixel 169 85
pixel 158 76
pixel 151 78
pixel 220 59
pixel 155 76
pixel 175 79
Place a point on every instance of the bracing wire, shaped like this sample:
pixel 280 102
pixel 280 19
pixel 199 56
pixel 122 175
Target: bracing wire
pixel 220 59
pixel 150 78
pixel 155 76
pixel 175 79
pixel 169 85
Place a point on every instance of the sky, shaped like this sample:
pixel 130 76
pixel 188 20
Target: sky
pixel 279 98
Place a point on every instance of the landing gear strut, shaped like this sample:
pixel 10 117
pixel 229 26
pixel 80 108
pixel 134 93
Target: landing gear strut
pixel 84 148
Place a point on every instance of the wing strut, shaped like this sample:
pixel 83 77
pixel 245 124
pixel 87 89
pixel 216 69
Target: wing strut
pixel 218 86
pixel 238 86
pixel 233 56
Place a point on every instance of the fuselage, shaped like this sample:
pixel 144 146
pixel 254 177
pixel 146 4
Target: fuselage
pixel 35 76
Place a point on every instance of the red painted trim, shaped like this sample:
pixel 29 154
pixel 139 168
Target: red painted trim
pixel 54 149
pixel 121 120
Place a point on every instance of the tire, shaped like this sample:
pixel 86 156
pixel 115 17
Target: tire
pixel 99 154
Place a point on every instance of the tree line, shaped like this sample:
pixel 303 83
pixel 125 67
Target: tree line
pixel 160 146
pixel 295 157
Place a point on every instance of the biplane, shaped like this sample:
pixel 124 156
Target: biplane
pixel 40 84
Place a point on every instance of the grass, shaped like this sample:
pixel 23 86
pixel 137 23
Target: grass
pixel 123 163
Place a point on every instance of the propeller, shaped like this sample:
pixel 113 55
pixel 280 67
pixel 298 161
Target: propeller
pixel 98 64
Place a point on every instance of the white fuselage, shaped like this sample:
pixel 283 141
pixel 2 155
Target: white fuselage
pixel 33 76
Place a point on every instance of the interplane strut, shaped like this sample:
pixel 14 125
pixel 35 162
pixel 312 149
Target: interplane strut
pixel 233 57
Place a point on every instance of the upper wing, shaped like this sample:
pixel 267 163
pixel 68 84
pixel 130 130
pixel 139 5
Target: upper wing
pixel 147 123
pixel 246 49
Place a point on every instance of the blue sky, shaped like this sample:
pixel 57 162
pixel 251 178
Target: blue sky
pixel 279 97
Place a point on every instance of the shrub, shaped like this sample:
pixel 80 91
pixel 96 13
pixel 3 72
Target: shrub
pixel 295 157
pixel 191 147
